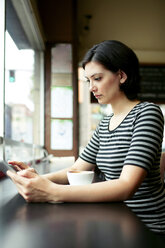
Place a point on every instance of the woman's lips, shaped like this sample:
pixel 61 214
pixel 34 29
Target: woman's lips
pixel 97 96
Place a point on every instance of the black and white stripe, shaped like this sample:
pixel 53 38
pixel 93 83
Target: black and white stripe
pixel 136 141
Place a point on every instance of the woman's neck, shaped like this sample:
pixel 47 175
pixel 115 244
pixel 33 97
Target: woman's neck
pixel 123 106
pixel 120 110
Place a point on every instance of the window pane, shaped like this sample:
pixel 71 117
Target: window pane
pixel 23 88
pixel 61 98
pixel 61 134
pixel 23 100
pixel 62 58
pixel 61 102
pixel 19 83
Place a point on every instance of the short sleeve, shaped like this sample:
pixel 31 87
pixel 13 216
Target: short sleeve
pixel 90 152
pixel 147 137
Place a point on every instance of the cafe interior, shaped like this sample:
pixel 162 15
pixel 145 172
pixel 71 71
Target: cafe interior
pixel 48 115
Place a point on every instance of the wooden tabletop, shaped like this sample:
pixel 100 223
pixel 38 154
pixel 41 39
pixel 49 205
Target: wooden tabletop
pixel 71 225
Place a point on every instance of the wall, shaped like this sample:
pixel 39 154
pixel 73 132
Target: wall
pixel 56 19
pixel 140 24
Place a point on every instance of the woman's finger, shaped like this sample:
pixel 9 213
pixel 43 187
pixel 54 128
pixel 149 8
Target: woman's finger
pixel 18 165
pixel 16 178
pixel 29 173
pixel 20 184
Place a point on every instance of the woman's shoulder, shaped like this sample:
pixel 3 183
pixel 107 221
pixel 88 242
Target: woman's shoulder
pixel 149 109
pixel 147 106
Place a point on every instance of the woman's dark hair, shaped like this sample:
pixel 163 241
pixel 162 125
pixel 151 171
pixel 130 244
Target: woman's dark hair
pixel 115 56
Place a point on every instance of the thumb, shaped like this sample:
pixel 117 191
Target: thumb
pixel 27 173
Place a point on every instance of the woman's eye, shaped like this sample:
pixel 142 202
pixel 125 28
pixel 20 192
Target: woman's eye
pixel 98 78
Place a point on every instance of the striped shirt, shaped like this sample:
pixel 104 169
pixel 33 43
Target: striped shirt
pixel 136 141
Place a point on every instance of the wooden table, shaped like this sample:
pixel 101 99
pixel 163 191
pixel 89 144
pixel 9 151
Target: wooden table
pixel 71 225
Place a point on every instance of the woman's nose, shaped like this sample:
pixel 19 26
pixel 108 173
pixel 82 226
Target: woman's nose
pixel 92 87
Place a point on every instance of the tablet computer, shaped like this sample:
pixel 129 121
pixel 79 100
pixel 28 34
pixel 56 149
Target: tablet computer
pixel 4 167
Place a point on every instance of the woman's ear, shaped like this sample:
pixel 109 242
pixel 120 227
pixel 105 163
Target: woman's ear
pixel 123 76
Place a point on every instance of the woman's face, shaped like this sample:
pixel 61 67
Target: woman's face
pixel 104 84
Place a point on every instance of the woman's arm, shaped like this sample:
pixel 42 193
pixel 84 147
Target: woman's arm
pixel 59 177
pixel 162 166
pixel 113 190
pixel 35 188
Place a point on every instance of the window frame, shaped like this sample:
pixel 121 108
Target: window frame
pixel 60 153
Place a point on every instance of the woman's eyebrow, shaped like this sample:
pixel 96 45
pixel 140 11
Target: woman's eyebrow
pixel 93 75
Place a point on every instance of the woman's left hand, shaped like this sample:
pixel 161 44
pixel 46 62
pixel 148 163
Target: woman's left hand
pixel 32 187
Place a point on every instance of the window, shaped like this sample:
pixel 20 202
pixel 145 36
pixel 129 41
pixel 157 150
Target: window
pixel 61 98
pixel 2 25
pixel 23 90
pixel 61 101
pixel 19 90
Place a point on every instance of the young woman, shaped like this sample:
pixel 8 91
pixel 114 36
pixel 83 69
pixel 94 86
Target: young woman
pixel 126 146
